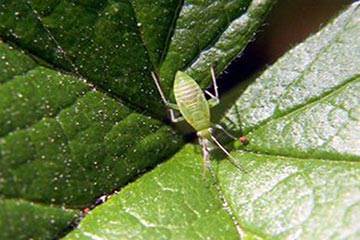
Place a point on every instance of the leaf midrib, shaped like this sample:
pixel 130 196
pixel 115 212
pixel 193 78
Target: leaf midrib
pixel 315 60
pixel 115 96
pixel 277 114
pixel 216 38
pixel 170 33
pixel 75 72
pixel 264 154
pixel 309 104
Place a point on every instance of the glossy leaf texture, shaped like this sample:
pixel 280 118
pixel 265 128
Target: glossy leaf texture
pixel 78 105
pixel 115 44
pixel 211 34
pixel 171 202
pixel 325 62
pixel 64 143
pixel 302 168
pixel 302 121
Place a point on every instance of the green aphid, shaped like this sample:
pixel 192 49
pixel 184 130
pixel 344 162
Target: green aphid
pixel 195 109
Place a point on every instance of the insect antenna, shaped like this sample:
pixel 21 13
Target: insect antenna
pixel 231 159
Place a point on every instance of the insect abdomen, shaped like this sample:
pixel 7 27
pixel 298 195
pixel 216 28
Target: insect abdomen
pixel 191 101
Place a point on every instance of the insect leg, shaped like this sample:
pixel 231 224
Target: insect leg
pixel 213 77
pixel 163 98
pixel 218 126
pixel 171 106
pixel 173 118
pixel 214 98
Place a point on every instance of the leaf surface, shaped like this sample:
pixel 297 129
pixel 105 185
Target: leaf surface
pixel 76 98
pixel 302 172
pixel 211 33
pixel 40 221
pixel 116 44
pixel 302 121
pixel 315 68
pixel 284 197
pixel 171 202
pixel 64 143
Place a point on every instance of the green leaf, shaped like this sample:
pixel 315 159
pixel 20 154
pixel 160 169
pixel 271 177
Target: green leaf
pixel 40 222
pixel 326 129
pixel 171 202
pixel 156 21
pixel 64 143
pixel 76 95
pixel 211 33
pixel 323 63
pixel 302 121
pixel 116 44
pixel 284 197
pixel 302 172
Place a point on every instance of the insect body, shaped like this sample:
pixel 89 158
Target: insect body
pixel 195 109
pixel 192 103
